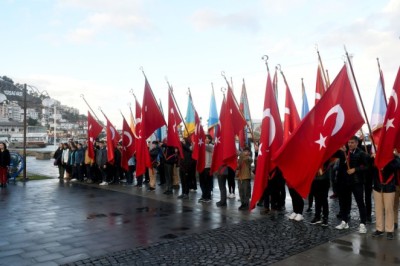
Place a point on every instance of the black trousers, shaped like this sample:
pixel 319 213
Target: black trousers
pixel 297 201
pixel 184 175
pixel 206 183
pixel 345 201
pixel 222 187
pixel 231 180
pixel 321 197
pixel 169 175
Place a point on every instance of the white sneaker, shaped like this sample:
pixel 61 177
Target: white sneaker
pixel 292 216
pixel 298 217
pixel 342 225
pixel 231 196
pixel 103 183
pixel 363 229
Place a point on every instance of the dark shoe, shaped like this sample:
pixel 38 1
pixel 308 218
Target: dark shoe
pixel 201 200
pixel 377 233
pixel 333 196
pixel 138 186
pixel 281 209
pixel 221 204
pixel 146 181
pixel 151 189
pixel 389 236
pixel 316 221
pixel 183 196
pixel 260 204
pixel 339 216
pixel 369 219
pixel 265 211
pixel 168 192
pixel 175 186
pixel 309 210
pixel 396 225
pixel 324 222
pixel 160 184
pixel 244 207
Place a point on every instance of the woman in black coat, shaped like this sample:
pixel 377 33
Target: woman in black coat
pixel 4 163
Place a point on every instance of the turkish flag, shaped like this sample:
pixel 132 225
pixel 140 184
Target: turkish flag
pixel 217 159
pixel 174 119
pixel 199 147
pixel 292 118
pixel 112 139
pixel 94 129
pixel 327 127
pixel 138 123
pixel 233 122
pixel 320 86
pixel 151 119
pixel 270 141
pixel 128 144
pixel 390 132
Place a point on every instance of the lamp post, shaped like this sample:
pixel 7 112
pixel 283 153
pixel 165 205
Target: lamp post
pixel 25 128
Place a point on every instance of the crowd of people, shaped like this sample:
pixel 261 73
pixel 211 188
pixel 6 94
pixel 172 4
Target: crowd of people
pixel 350 172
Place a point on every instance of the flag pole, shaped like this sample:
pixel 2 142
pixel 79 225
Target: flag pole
pixel 83 97
pixel 359 96
pixel 322 67
pixel 223 75
pixel 327 76
pixel 382 81
pixel 251 121
pixel 177 107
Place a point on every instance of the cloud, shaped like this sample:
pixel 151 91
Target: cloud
pixel 104 16
pixel 206 19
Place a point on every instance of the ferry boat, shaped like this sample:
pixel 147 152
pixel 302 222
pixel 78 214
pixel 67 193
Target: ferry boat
pixel 36 137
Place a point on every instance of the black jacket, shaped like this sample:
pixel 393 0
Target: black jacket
pixel 388 175
pixel 5 158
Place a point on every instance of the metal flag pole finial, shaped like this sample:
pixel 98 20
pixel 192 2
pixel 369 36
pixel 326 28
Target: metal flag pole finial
pixel 265 58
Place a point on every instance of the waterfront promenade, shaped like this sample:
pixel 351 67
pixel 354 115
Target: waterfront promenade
pixel 50 223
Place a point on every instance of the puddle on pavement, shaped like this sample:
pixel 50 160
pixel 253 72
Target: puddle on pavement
pixel 95 215
pixel 169 236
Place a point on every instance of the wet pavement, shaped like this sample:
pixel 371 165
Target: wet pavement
pixel 50 223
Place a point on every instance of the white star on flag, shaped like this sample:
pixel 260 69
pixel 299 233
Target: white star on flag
pixel 389 123
pixel 200 142
pixel 321 141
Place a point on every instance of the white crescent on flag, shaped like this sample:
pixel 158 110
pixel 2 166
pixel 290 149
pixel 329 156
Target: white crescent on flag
pixel 272 127
pixel 129 137
pixel 337 109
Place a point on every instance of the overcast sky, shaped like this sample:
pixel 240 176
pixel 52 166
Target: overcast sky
pixel 96 47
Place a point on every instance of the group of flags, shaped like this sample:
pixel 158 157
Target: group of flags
pixel 298 146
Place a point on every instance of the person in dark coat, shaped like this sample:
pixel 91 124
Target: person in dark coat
pixel 57 161
pixel 5 160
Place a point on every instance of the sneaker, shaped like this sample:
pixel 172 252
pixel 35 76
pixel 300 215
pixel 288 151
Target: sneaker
pixel 363 229
pixel 342 225
pixel 220 204
pixel 193 190
pixel 183 196
pixel 316 221
pixel 231 196
pixel 390 235
pixel 200 200
pixel 292 216
pixel 103 183
pixel 377 233
pixel 206 200
pixel 151 189
pixel 168 192
pixel 299 217
pixel 309 210
pixel 89 181
pixel 324 222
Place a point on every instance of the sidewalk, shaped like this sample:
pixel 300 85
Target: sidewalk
pixel 50 223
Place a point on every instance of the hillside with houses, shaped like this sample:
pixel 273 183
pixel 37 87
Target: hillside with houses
pixel 43 115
